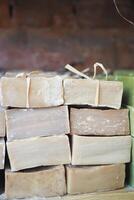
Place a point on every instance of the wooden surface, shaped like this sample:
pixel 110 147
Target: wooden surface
pixel 39 151
pixel 100 150
pixel 43 182
pixel 99 122
pixel 88 179
pixel 93 92
pixel 124 194
pixel 26 123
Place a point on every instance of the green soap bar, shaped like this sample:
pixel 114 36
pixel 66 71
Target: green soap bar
pixel 128 85
pixel 131 117
pixel 130 174
pixel 123 72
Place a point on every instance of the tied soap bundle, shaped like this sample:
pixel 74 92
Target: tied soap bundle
pixel 91 91
pixel 31 90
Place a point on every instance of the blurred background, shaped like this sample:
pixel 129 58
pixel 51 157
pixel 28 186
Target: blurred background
pixel 47 34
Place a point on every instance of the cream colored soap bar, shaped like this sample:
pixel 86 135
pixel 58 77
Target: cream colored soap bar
pixel 99 122
pixel 95 179
pixel 2 123
pixel 39 92
pixel 43 151
pixel 93 92
pixel 2 153
pixel 44 182
pixel 26 123
pixel 100 150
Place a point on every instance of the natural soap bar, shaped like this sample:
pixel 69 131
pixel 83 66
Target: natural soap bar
pixel 2 153
pixel 26 123
pixel 44 182
pixel 40 151
pixel 93 92
pixel 100 150
pixel 2 123
pixel 88 179
pixel 99 122
pixel 36 91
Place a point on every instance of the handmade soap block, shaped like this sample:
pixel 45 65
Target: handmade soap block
pixel 33 91
pixel 100 150
pixel 131 117
pixel 33 152
pixel 26 123
pixel 2 153
pixel 42 182
pixel 2 123
pixel 95 179
pixel 128 91
pixel 93 92
pixel 99 122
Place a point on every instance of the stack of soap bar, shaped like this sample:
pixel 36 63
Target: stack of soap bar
pixel 37 138
pixel 43 182
pixel 93 92
pixel 101 146
pixel 38 91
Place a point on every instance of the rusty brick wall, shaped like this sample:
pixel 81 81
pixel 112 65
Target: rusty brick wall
pixel 47 34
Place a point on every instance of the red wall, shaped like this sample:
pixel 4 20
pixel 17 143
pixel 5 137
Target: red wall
pixel 48 34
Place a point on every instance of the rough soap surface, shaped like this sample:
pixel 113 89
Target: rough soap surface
pixel 95 179
pixel 34 152
pixel 99 122
pixel 100 150
pixel 26 123
pixel 45 182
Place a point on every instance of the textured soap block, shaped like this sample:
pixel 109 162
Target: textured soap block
pixel 42 91
pixel 44 182
pixel 2 123
pixel 95 179
pixel 26 123
pixel 40 151
pixel 99 122
pixel 128 88
pixel 100 150
pixel 93 92
pixel 2 153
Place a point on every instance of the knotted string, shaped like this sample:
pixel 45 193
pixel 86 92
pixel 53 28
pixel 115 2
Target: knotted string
pixel 28 80
pixel 77 72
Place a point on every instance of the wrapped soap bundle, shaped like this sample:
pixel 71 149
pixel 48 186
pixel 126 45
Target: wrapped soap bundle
pixel 100 136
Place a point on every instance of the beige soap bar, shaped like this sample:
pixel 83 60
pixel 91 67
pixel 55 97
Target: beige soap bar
pixel 2 123
pixel 26 123
pixel 95 179
pixel 99 122
pixel 43 91
pixel 40 151
pixel 100 150
pixel 93 92
pixel 44 182
pixel 2 153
